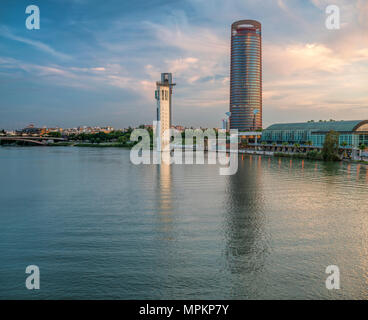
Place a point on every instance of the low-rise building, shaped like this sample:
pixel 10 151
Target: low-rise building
pixel 351 133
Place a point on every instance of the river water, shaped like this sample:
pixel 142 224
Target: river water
pixel 99 227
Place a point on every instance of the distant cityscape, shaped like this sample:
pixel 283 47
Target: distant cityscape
pixel 33 130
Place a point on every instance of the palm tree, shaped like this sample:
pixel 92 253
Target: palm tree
pixel 244 144
pixel 344 144
pixel 362 147
pixel 296 146
pixel 309 143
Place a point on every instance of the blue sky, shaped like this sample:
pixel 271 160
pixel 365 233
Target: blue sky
pixel 96 62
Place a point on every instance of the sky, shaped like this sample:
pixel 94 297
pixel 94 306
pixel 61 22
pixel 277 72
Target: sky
pixel 95 62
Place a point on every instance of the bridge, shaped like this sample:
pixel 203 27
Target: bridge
pixel 38 140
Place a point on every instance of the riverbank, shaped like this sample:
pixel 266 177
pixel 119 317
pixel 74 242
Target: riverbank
pixel 102 145
pixel 73 144
pixel 312 155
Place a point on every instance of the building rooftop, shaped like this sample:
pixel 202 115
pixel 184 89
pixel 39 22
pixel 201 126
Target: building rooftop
pixel 323 126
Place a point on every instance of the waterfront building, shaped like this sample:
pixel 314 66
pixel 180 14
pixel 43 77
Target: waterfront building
pixel 163 95
pixel 351 133
pixel 249 137
pixel 246 76
pixel 31 130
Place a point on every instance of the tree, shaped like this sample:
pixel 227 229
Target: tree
pixel 54 134
pixel 296 147
pixel 330 150
pixel 244 144
pixel 123 139
pixel 344 144
pixel 362 147
pixel 309 143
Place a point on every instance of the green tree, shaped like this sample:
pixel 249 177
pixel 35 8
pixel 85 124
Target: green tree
pixel 244 144
pixel 54 134
pixel 330 150
pixel 362 147
pixel 296 147
pixel 123 139
pixel 344 144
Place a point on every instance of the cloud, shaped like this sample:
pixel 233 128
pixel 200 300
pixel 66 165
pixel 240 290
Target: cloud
pixel 309 58
pixel 189 38
pixel 36 44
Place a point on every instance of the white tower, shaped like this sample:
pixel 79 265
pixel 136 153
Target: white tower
pixel 163 96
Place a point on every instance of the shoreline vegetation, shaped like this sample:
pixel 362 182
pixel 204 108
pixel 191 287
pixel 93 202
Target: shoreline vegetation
pixel 311 155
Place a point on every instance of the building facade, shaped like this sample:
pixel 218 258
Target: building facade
pixel 163 95
pixel 351 133
pixel 246 76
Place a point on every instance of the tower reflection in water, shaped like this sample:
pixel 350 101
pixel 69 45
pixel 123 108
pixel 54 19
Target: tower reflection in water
pixel 245 236
pixel 164 204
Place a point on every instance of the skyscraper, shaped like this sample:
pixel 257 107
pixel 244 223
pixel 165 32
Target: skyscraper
pixel 246 76
pixel 163 96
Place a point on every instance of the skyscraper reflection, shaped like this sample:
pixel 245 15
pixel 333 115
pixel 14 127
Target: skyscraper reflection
pixel 245 236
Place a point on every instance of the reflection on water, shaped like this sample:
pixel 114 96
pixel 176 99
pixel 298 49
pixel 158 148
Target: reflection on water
pixel 101 227
pixel 245 237
pixel 164 210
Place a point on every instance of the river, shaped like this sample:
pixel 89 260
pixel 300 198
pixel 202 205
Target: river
pixel 99 227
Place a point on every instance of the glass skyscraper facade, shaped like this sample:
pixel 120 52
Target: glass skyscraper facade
pixel 246 76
